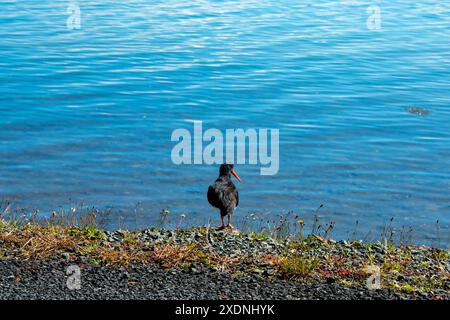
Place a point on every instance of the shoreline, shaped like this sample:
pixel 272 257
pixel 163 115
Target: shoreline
pixel 204 263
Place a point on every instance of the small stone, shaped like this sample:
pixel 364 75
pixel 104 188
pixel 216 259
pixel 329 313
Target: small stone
pixel 66 256
pixel 257 271
pixel 401 278
pixel 193 270
pixel 268 272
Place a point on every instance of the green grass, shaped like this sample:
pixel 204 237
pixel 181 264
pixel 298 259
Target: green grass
pixel 299 266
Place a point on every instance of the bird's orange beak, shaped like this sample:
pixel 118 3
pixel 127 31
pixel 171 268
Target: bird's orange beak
pixel 235 175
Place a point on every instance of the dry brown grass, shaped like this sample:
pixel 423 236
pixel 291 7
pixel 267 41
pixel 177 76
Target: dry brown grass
pixel 170 256
pixel 36 242
pixel 224 263
pixel 272 260
pixel 121 256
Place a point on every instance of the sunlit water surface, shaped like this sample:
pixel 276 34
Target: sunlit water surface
pixel 86 115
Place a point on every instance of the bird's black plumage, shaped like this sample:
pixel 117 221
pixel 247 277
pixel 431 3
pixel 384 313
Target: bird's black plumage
pixel 223 194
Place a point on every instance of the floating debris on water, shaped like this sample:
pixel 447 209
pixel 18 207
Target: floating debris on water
pixel 419 111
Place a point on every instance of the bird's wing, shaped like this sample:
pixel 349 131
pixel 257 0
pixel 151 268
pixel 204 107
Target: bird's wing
pixel 223 195
pixel 231 196
pixel 214 197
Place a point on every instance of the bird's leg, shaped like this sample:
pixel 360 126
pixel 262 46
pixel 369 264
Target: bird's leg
pixel 228 221
pixel 223 225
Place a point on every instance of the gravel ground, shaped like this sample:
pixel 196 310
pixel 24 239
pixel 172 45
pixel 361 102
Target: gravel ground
pixel 200 263
pixel 48 280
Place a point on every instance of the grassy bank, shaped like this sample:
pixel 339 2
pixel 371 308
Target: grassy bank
pixel 416 271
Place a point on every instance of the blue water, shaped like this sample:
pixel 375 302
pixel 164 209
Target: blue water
pixel 86 115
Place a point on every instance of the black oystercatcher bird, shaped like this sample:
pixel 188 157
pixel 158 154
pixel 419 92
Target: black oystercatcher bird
pixel 223 194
